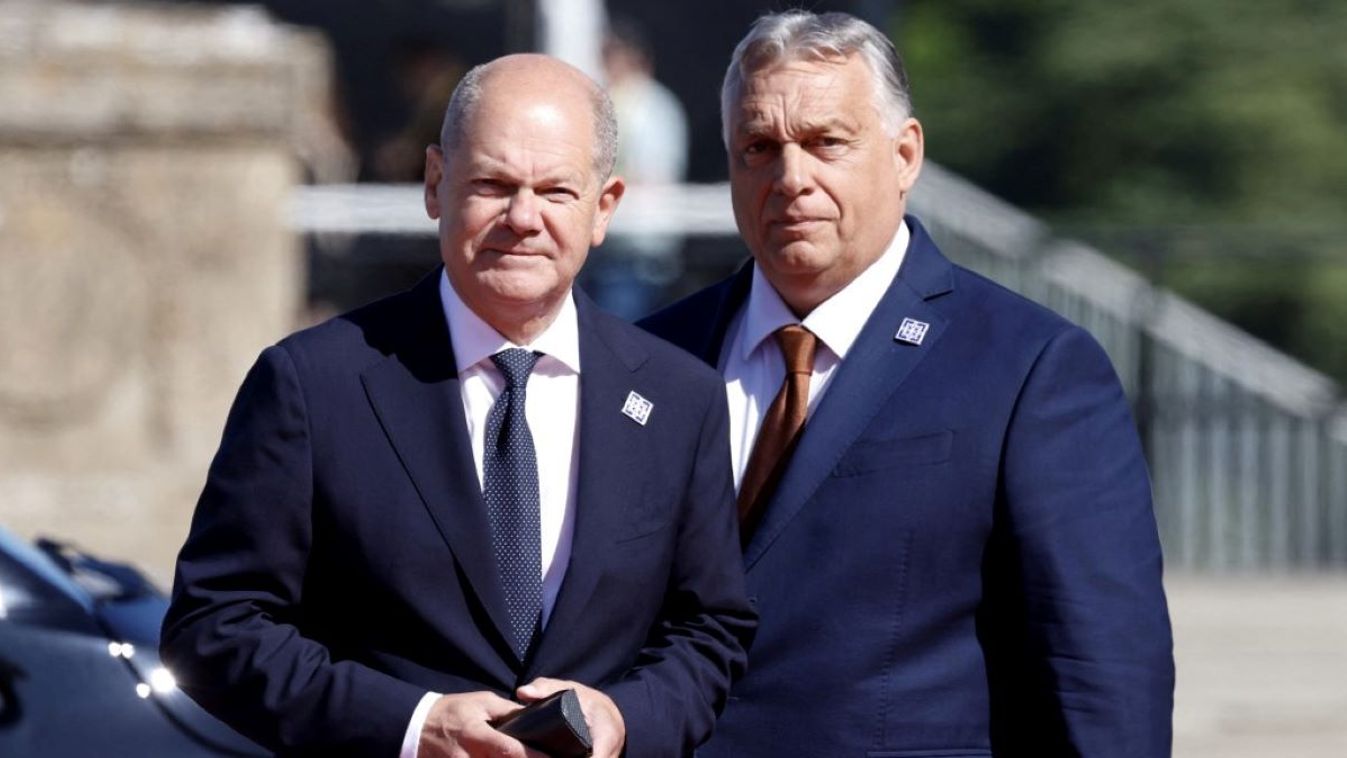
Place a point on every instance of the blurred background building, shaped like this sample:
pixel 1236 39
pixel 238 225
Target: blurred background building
pixel 182 183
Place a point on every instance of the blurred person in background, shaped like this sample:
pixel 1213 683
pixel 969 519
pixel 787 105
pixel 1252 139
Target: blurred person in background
pixel 426 75
pixel 946 515
pixel 629 273
pixel 410 521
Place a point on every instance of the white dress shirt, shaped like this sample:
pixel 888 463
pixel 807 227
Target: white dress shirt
pixel 551 407
pixel 751 360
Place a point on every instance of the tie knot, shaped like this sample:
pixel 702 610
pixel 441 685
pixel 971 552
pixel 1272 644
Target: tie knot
pixel 516 364
pixel 797 348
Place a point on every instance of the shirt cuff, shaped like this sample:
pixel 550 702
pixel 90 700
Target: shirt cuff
pixel 412 739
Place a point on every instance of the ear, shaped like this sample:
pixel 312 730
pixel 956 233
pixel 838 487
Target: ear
pixel 434 173
pixel 609 196
pixel 909 150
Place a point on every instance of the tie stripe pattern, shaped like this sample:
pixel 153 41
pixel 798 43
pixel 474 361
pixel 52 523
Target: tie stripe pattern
pixel 780 429
pixel 510 489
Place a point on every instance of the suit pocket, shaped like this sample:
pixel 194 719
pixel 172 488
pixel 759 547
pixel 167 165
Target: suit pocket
pixel 643 518
pixel 873 455
pixel 636 531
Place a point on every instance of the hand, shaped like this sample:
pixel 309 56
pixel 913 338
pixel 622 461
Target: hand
pixel 457 727
pixel 606 726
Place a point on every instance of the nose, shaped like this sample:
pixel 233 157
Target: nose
pixel 523 216
pixel 793 177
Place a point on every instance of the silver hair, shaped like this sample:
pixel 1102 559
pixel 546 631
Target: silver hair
pixel 802 35
pixel 469 91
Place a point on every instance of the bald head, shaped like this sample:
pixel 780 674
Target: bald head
pixel 532 78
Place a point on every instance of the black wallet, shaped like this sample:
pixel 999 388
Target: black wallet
pixel 554 725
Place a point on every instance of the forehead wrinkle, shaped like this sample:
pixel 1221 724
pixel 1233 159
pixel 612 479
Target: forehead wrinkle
pixel 812 119
pixel 803 95
pixel 532 165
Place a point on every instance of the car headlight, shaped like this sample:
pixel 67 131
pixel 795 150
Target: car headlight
pixel 121 650
pixel 162 681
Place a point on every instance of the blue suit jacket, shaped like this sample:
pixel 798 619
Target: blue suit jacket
pixel 961 558
pixel 339 563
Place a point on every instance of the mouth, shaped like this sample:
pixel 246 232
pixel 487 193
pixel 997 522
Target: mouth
pixel 796 225
pixel 796 220
pixel 512 253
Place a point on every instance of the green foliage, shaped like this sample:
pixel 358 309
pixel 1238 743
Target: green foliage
pixel 1187 123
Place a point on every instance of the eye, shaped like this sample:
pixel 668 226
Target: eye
pixel 559 193
pixel 826 142
pixel 491 187
pixel 755 152
pixel 759 146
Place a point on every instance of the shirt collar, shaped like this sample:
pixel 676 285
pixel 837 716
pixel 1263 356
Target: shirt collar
pixel 474 340
pixel 834 321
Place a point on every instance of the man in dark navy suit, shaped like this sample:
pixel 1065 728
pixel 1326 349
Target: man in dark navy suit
pixel 478 490
pixel 947 523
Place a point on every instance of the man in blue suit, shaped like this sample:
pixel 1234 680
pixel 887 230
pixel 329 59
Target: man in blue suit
pixel 477 490
pixel 947 524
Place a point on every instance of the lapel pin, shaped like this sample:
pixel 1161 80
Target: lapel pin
pixel 912 331
pixel 637 408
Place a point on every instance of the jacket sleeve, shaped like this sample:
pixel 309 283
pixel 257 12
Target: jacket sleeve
pixel 1094 671
pixel 681 678
pixel 232 633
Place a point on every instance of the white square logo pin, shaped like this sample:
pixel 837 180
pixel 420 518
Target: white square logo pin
pixel 912 331
pixel 637 408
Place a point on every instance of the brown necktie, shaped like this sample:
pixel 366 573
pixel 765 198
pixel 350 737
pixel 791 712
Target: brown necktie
pixel 780 428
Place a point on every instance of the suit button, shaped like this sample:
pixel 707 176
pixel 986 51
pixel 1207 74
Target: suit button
pixel 753 601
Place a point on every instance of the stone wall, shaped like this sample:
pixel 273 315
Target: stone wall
pixel 147 157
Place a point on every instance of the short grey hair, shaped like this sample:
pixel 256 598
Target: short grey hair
pixel 469 92
pixel 802 35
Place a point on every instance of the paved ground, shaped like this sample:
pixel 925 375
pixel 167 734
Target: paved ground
pixel 1262 666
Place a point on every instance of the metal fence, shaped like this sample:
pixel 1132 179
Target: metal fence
pixel 1247 447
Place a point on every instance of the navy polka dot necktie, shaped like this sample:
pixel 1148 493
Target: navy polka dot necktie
pixel 510 489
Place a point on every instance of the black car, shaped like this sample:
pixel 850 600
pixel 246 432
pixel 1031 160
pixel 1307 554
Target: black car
pixel 79 664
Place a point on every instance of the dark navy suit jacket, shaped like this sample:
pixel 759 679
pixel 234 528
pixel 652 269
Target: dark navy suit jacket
pixel 339 563
pixel 961 558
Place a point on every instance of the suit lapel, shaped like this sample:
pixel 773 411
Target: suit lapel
pixel 873 370
pixel 609 478
pixel 733 292
pixel 415 394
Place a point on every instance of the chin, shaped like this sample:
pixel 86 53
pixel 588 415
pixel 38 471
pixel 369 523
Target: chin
pixel 521 288
pixel 799 257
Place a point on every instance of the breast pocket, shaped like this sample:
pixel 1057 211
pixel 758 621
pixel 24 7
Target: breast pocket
pixel 874 455
pixel 643 517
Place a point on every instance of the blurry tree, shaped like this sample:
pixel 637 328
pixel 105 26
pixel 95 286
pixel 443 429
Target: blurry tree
pixel 1210 132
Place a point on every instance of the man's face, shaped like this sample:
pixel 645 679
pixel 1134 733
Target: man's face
pixel 519 203
pixel 818 186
